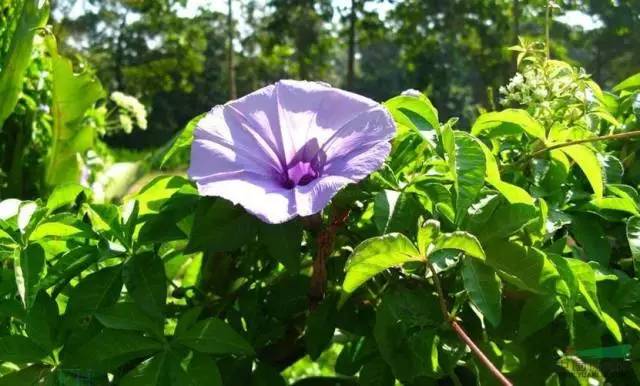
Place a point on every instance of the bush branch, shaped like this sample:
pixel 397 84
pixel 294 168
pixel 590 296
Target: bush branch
pixel 462 334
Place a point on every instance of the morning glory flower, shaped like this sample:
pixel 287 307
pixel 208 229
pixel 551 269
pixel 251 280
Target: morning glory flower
pixel 285 150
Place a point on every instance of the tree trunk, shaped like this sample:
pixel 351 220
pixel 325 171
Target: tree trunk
pixel 230 59
pixel 352 46
pixel 515 12
pixel 118 61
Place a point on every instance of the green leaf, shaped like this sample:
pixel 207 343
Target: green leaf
pixel 96 291
pixel 467 166
pixel 503 222
pixel 29 273
pixel 395 212
pixel 70 264
pixel 18 56
pixel 525 267
pixel 633 237
pixel 152 372
pixel 507 122
pixel 376 373
pixel 631 83
pixel 182 141
pixel 155 194
pixel 405 331
pixel 214 336
pixel 484 289
pixel 538 312
pixel 220 226
pixel 65 195
pixel 589 164
pixel 72 95
pixel 128 316
pixel 42 321
pixel 375 255
pixel 320 327
pixel 591 236
pixel 110 349
pixel 283 242
pixel 20 349
pixel 427 234
pixel 146 282
pixel 416 114
pixel 61 226
pixel 203 371
pixel 513 193
pixel 461 241
pixel 584 373
pixel 28 376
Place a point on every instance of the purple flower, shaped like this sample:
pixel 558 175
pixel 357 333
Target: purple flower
pixel 285 150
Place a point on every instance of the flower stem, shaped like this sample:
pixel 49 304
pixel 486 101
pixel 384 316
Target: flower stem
pixel 462 334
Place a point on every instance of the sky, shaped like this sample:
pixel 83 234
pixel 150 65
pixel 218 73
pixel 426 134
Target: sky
pixel 571 18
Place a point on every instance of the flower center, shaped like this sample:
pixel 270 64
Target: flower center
pixel 299 174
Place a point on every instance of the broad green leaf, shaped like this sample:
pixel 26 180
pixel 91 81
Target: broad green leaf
pixel 513 193
pixel 484 289
pixel 354 354
pixel 220 226
pixel 152 372
pixel 128 316
pixel 20 349
pixel 214 336
pixel 503 222
pixel 538 312
pixel 110 349
pixel 203 370
pixel 591 236
pixel 607 204
pixel 42 321
pixel 633 237
pixel 283 242
pixel 33 16
pixel 427 234
pixel 64 195
pixel 61 226
pixel 96 291
pixel 376 373
pixel 525 267
pixel 507 122
pixel 29 273
pixel 72 95
pixel 320 328
pixel 182 142
pixel 460 240
pixel 187 320
pixel 589 164
pixel 467 167
pixel 396 212
pixel 375 255
pixel 631 83
pixel 155 194
pixel 70 264
pixel 416 113
pixel 405 331
pixel 146 282
pixel 28 376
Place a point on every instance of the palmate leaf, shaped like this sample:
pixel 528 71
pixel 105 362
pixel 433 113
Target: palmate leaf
pixel 34 15
pixel 72 95
pixel 375 255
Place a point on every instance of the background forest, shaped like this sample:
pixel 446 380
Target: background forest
pixel 477 222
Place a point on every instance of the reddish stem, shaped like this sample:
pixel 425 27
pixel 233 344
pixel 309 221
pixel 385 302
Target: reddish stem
pixel 462 334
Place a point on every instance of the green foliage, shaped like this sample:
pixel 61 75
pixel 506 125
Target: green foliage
pixel 528 216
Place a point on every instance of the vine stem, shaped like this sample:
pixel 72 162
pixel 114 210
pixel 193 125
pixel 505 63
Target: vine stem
pixel 461 332
pixel 630 134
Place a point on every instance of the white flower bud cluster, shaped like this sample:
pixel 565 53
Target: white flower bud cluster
pixel 134 111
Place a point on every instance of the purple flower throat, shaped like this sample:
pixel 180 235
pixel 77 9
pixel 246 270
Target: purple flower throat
pixel 305 166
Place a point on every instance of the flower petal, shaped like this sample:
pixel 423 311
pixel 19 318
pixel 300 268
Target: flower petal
pixel 312 198
pixel 262 197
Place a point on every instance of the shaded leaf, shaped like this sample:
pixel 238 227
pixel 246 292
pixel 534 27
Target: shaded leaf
pixel 484 289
